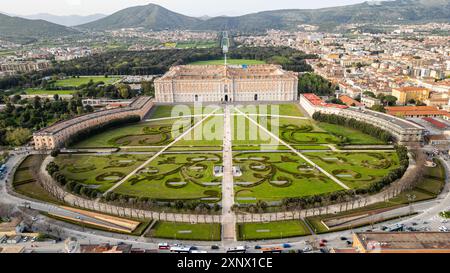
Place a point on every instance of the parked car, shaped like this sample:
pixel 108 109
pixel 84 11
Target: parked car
pixel 286 245
pixel 215 247
pixel 257 247
pixel 343 238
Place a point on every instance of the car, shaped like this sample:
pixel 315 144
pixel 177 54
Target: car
pixel 443 229
pixel 349 242
pixel 215 247
pixel 414 224
pixel 307 249
pixel 322 244
pixel 34 219
pixel 257 247
pixel 163 246
pixel 286 245
pixel 324 241
pixel 444 221
pixel 343 238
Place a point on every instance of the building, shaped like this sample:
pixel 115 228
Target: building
pixel 402 242
pixel 223 83
pixel 369 101
pixel 405 94
pixel 416 111
pixel 404 132
pixel 349 101
pixel 56 135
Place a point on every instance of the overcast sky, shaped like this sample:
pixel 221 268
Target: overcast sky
pixel 187 7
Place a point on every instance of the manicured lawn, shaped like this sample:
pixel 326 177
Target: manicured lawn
pixel 164 111
pixel 76 82
pixel 177 177
pixel 272 230
pixel 152 133
pixel 208 133
pixel 229 61
pixel 31 91
pixel 99 172
pixel 356 170
pixel 183 231
pixel 354 136
pixel 275 176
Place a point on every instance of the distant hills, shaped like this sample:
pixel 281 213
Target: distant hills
pixel 22 30
pixel 65 20
pixel 150 17
pixel 388 12
pixel 154 17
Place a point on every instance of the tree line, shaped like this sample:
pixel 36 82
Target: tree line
pixel 156 62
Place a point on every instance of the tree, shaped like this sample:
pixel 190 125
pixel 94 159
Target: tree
pixel 18 136
pixel 390 100
pixel 124 90
pixel 369 94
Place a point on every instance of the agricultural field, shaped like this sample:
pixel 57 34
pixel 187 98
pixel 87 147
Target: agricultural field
pixel 76 82
pixel 177 177
pixel 182 231
pixel 229 61
pixel 272 230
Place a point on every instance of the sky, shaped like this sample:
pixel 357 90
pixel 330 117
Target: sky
pixel 187 7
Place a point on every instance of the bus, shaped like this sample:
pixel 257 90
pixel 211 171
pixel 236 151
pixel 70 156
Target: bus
pixel 181 249
pixel 238 249
pixel 271 250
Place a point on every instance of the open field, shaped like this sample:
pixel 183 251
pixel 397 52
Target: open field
pixel 177 177
pixel 182 231
pixel 229 61
pixel 197 44
pixel 76 82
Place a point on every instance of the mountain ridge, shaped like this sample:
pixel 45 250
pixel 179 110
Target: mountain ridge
pixel 155 17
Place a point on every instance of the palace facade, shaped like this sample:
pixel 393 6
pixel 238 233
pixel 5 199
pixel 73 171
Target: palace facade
pixel 226 83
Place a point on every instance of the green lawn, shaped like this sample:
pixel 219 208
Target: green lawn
pixel 229 61
pixel 151 133
pixel 24 182
pixel 177 177
pixel 356 170
pixel 272 230
pixel 99 172
pixel 275 176
pixel 353 136
pixel 182 231
pixel 76 82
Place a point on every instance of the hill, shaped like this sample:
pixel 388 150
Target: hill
pixel 149 17
pixel 20 30
pixel 386 12
pixel 65 20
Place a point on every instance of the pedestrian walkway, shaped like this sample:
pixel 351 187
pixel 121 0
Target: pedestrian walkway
pixel 228 216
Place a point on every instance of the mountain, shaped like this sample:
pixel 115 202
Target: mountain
pixel 149 17
pixel 387 12
pixel 65 20
pixel 20 30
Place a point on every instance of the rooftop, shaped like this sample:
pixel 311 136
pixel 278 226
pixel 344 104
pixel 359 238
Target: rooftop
pixel 217 72
pixel 61 125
